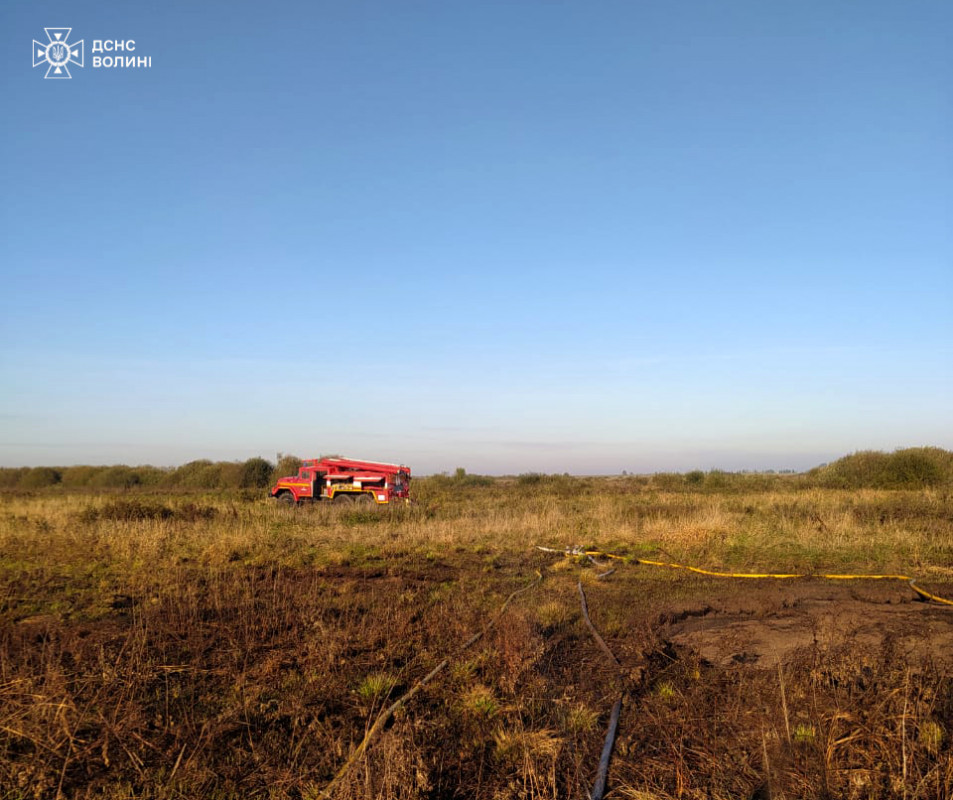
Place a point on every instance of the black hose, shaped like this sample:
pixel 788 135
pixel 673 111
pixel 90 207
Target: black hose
pixel 599 787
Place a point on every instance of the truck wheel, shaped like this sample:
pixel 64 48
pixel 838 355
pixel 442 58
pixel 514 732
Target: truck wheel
pixel 366 499
pixel 286 499
pixel 343 499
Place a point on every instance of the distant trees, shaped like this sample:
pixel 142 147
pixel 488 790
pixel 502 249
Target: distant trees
pixel 10 476
pixel 118 477
pixel 199 474
pixel 459 479
pixel 911 468
pixel 254 473
pixel 39 478
pixel 76 477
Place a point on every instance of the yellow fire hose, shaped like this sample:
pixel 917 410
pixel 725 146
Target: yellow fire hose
pixel 775 575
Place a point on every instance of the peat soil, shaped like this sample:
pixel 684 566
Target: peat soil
pixel 767 625
pixel 259 682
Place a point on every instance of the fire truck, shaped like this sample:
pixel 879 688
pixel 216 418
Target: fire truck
pixel 343 480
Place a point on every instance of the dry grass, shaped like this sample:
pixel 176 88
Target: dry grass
pixel 163 646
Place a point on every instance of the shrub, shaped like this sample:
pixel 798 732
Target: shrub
pixel 80 476
pixel 187 474
pixel 118 477
pixel 911 468
pixel 201 474
pixel 695 478
pixel 152 476
pixel 255 474
pixel 717 480
pixel 229 475
pixel 39 477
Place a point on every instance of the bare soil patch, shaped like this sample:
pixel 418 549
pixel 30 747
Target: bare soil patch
pixel 763 626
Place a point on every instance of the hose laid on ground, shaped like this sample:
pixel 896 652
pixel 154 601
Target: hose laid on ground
pixel 592 629
pixel 575 551
pixel 388 712
pixel 599 785
pixel 927 596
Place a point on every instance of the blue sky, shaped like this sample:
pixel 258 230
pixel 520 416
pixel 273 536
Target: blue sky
pixel 510 236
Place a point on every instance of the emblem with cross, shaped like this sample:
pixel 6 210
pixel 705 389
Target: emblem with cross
pixel 58 53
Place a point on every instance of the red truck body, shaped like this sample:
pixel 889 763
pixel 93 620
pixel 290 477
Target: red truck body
pixel 344 480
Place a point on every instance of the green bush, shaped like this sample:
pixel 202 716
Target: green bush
pixel 200 474
pixel 229 475
pixel 80 476
pixel 530 479
pixel 118 477
pixel 256 474
pixel 39 478
pixel 153 476
pixel 695 478
pixel 911 468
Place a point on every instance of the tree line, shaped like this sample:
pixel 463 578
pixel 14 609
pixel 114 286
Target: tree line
pixel 254 473
pixel 909 468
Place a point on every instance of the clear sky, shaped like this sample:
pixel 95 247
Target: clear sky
pixel 512 236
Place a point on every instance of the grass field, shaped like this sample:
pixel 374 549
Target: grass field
pixel 176 644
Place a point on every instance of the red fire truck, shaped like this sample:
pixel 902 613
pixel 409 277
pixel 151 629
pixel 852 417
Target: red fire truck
pixel 343 480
